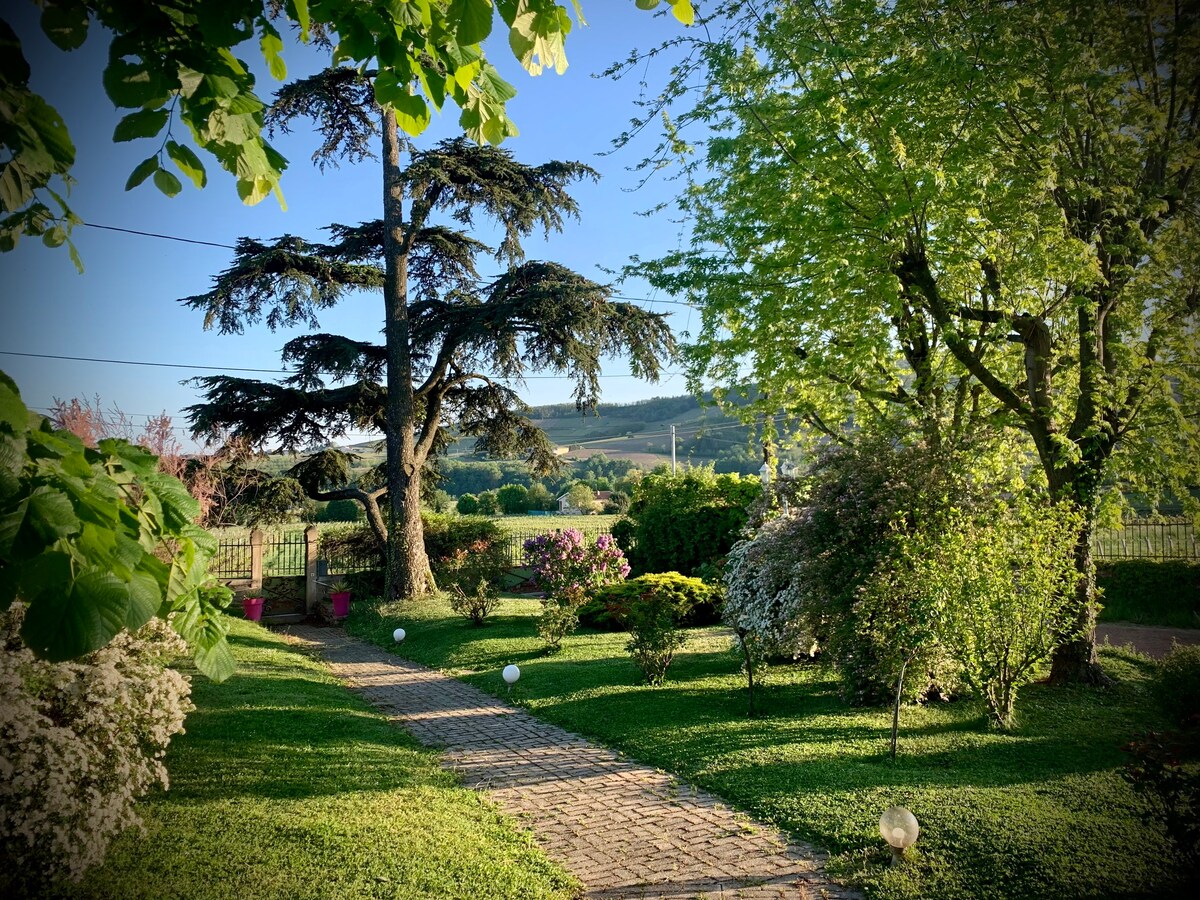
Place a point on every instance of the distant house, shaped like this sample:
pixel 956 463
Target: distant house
pixel 566 509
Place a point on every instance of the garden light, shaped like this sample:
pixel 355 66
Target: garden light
pixel 511 673
pixel 900 829
pixel 765 473
pixel 399 634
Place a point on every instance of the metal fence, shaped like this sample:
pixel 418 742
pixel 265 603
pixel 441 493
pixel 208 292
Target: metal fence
pixel 232 560
pixel 1167 538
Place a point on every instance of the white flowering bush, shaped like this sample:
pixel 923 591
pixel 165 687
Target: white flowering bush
pixel 762 593
pixel 80 742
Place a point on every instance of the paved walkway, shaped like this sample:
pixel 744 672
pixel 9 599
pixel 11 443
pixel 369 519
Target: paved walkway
pixel 625 830
pixel 1149 639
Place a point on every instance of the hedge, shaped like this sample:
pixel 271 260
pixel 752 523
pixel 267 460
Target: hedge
pixel 1150 592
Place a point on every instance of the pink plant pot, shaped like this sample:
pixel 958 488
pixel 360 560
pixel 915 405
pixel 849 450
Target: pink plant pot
pixel 341 603
pixel 252 607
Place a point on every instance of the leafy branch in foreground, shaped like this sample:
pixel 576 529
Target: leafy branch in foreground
pixel 96 541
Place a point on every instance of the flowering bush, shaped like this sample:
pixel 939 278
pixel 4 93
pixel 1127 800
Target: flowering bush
pixel 568 568
pixel 80 741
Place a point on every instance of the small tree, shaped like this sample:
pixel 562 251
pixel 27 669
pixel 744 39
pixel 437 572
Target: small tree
pixel 582 498
pixel 540 497
pixel 468 505
pixel 513 499
pixel 488 504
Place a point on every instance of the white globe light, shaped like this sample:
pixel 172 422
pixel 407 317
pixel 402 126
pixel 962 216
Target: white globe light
pixel 899 828
pixel 398 634
pixel 511 674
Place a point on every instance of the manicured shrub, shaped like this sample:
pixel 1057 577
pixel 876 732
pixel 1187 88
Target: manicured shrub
pixel 1177 682
pixel 569 569
pixel 697 603
pixel 468 504
pixel 470 575
pixel 80 742
pixel 341 511
pixel 677 523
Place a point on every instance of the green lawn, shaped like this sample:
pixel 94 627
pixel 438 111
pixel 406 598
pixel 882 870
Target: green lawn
pixel 1041 812
pixel 286 785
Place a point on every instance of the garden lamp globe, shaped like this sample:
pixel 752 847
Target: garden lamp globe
pixel 510 674
pixel 399 634
pixel 899 828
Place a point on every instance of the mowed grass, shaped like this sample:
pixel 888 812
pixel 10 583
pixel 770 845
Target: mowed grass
pixel 1038 813
pixel 286 785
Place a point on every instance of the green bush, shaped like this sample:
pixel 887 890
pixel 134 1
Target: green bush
pixel 697 602
pixel 863 501
pixel 341 511
pixel 654 633
pixel 1177 681
pixel 677 523
pixel 1150 592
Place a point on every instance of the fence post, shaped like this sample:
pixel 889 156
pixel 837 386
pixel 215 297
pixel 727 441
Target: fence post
pixel 312 587
pixel 256 560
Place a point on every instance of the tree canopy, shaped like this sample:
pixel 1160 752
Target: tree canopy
pixel 941 218
pixel 175 62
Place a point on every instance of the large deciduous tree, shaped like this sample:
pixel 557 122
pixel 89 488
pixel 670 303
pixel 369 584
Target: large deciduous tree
pixel 451 340
pixel 175 59
pixel 955 216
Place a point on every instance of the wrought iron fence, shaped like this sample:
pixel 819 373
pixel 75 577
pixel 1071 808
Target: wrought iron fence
pixel 232 560
pixel 1167 538
pixel 284 554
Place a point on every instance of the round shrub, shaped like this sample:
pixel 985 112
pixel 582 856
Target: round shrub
pixel 1177 682
pixel 695 602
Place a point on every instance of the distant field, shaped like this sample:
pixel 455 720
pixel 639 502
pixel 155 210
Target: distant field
pixel 531 525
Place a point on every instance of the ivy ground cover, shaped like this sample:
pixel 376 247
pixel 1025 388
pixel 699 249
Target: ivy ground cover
pixel 287 785
pixel 1038 813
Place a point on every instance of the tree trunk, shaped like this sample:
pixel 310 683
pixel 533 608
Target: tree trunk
pixel 1074 660
pixel 407 565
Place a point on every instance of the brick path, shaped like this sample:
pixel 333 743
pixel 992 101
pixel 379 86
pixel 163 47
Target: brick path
pixel 625 830
pixel 1149 639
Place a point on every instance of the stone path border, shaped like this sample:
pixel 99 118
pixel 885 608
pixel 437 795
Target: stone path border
pixel 624 829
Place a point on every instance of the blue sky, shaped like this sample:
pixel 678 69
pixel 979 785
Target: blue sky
pixel 123 307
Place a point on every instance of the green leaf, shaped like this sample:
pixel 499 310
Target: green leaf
pixel 272 47
pixel 188 163
pixel 412 113
pixel 647 4
pixel 51 514
pixel 63 623
pixel 470 19
pixel 66 24
pixel 144 170
pixel 54 237
pixel 215 662
pixel 300 10
pixel 145 598
pixel 132 86
pixel 142 124
pixel 167 183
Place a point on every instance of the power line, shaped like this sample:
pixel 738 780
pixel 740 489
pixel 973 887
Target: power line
pixel 185 240
pixel 164 365
pixel 154 234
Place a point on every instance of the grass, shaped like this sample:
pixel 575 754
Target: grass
pixel 1040 812
pixel 287 785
